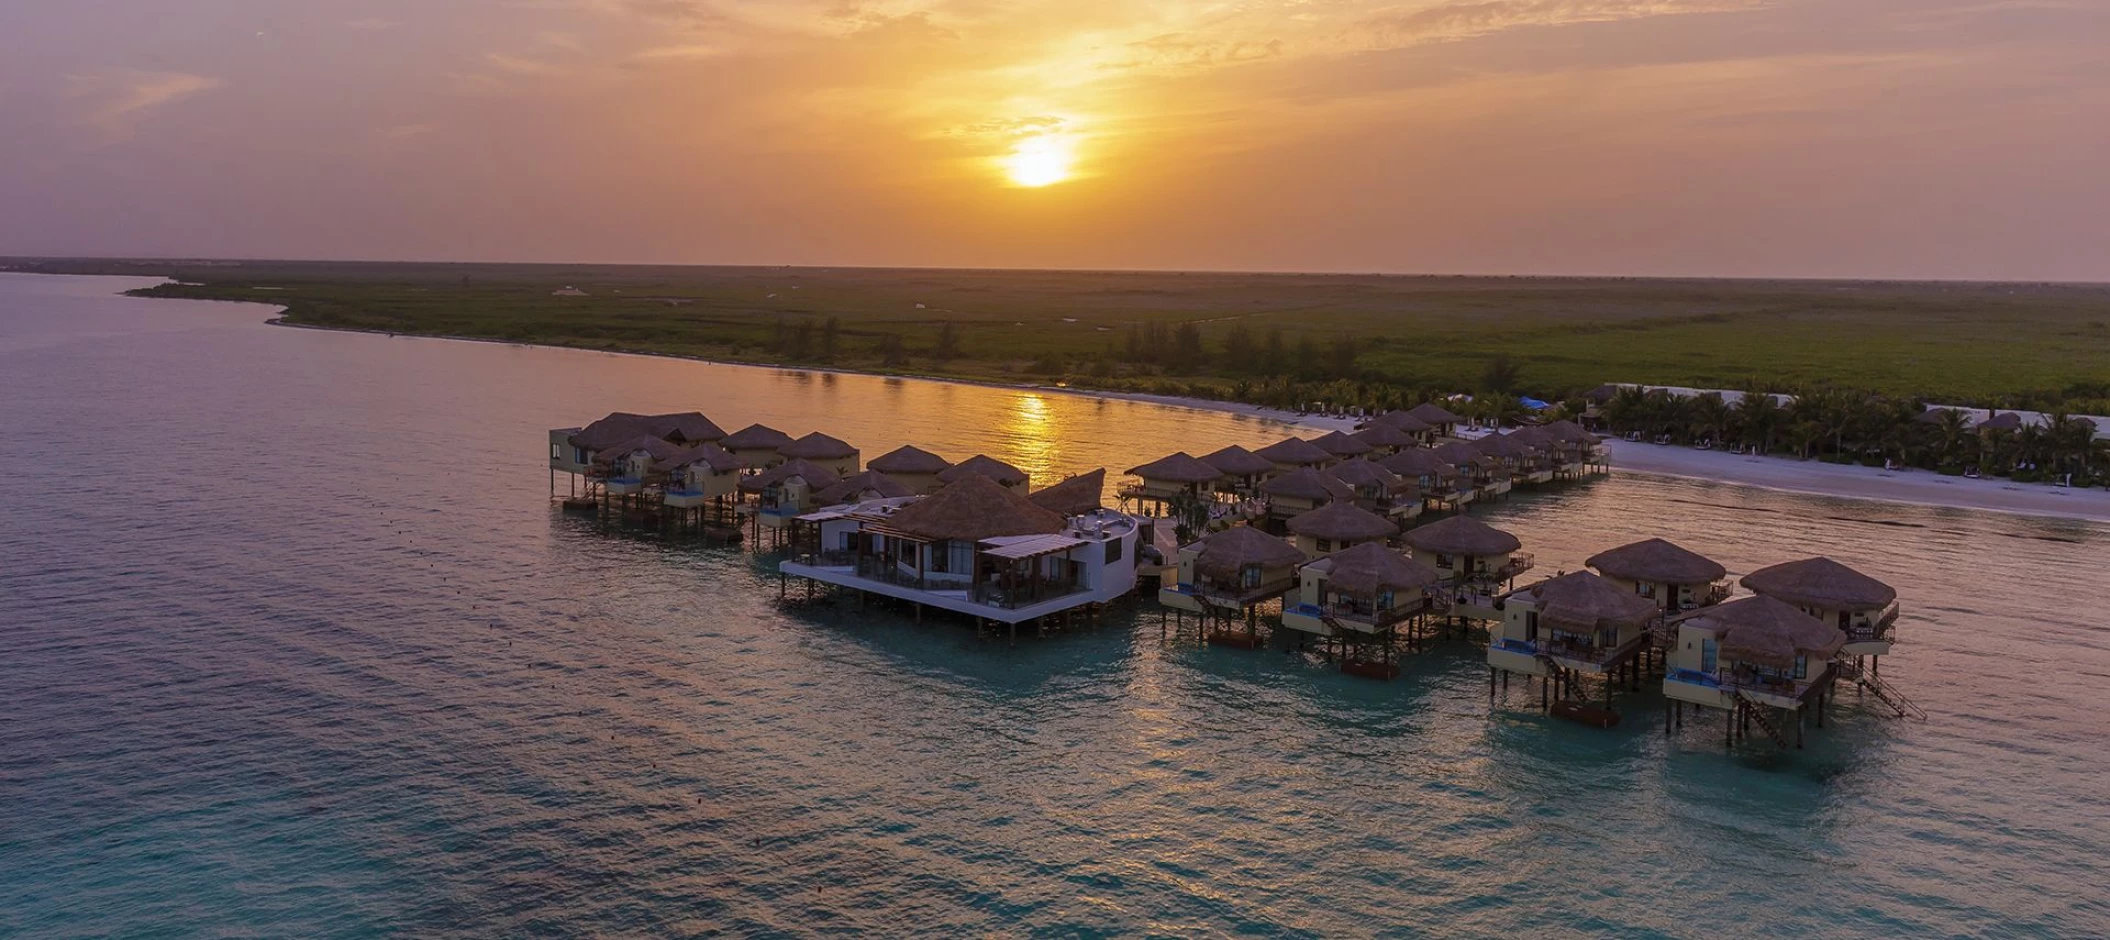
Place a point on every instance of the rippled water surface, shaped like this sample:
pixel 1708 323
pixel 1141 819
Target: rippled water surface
pixel 293 644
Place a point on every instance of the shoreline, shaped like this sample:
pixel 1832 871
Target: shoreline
pixel 1778 474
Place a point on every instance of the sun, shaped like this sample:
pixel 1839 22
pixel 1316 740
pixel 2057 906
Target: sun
pixel 1040 161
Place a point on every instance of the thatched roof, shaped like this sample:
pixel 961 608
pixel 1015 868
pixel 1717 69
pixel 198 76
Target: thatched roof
pixel 1075 496
pixel 1934 415
pixel 1566 430
pixel 1602 393
pixel 973 508
pixel 1238 462
pixel 2002 421
pixel 1462 535
pixel 684 427
pixel 1307 483
pixel 1224 554
pixel 617 428
pixel 1295 451
pixel 1767 632
pixel 815 475
pixel 1502 445
pixel 1370 569
pixel 1418 463
pixel 1404 421
pixel 1385 435
pixel 1656 560
pixel 1434 414
pixel 1181 467
pixel 1340 445
pixel 870 484
pixel 756 437
pixel 1342 521
pixel 1821 582
pixel 1361 473
pixel 818 446
pixel 710 455
pixel 983 466
pixel 660 450
pixel 1458 453
pixel 908 458
pixel 1584 601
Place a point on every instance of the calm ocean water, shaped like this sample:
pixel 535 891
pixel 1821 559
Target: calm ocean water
pixel 292 644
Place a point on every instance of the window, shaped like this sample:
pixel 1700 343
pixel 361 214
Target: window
pixel 1113 550
pixel 1325 545
pixel 1802 667
pixel 556 451
pixel 1708 652
pixel 1531 625
pixel 938 556
pixel 1645 588
pixel 1249 576
pixel 1443 560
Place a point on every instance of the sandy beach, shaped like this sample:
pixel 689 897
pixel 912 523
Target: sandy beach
pixel 1919 487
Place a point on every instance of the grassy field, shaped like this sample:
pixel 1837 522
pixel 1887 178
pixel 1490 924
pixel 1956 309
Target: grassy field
pixel 1999 344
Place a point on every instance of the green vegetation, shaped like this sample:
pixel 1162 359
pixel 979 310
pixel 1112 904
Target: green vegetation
pixel 1271 339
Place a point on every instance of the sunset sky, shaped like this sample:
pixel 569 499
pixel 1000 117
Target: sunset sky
pixel 1882 138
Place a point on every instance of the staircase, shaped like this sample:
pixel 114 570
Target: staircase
pixel 1757 711
pixel 1884 691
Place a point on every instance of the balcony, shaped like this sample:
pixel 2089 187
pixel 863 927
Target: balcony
pixel 1231 594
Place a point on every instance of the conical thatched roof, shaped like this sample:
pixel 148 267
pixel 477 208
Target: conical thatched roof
pixel 617 428
pixel 1502 445
pixel 1075 496
pixel 973 508
pixel 660 450
pixel 1385 435
pixel 1571 432
pixel 1584 601
pixel 1404 421
pixel 1361 473
pixel 685 427
pixel 984 466
pixel 1458 453
pixel 1767 632
pixel 815 475
pixel 1434 414
pixel 871 484
pixel 1340 445
pixel 818 446
pixel 1342 521
pixel 1418 463
pixel 1533 435
pixel 1656 560
pixel 1178 468
pixel 1462 535
pixel 1294 451
pixel 710 455
pixel 2002 421
pixel 1307 483
pixel 909 458
pixel 1821 582
pixel 1370 569
pixel 1224 554
pixel 1238 462
pixel 756 437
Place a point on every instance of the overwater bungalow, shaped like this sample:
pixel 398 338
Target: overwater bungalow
pixel 1567 627
pixel 703 481
pixel 831 452
pixel 756 446
pixel 862 487
pixel 1577 452
pixel 1478 562
pixel 573 450
pixel 1295 453
pixel 1379 490
pixel 1406 422
pixel 1758 658
pixel 912 466
pixel 1515 457
pixel 981 465
pixel 786 491
pixel 1671 577
pixel 1300 491
pixel 1165 486
pixel 975 547
pixel 1441 485
pixel 1243 471
pixel 1337 526
pixel 1538 458
pixel 1385 440
pixel 1487 476
pixel 1226 575
pixel 1441 422
pixel 1341 446
pixel 627 468
pixel 1356 601
pixel 1861 607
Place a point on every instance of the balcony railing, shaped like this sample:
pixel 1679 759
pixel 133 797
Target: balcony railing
pixel 1235 594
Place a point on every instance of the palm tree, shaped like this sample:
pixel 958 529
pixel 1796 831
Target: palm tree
pixel 1627 409
pixel 1758 416
pixel 1709 417
pixel 1952 432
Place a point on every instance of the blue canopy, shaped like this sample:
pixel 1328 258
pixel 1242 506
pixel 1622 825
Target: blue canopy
pixel 1534 404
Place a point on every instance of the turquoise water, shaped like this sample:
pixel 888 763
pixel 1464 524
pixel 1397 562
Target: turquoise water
pixel 295 645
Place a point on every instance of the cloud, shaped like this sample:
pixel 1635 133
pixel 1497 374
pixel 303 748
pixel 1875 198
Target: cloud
pixel 114 98
pixel 1460 20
